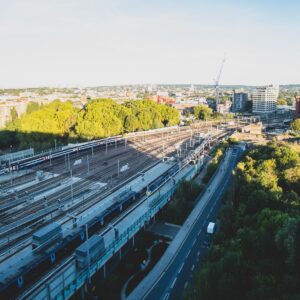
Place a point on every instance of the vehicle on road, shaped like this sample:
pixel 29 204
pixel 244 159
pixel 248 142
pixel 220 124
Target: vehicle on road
pixel 211 228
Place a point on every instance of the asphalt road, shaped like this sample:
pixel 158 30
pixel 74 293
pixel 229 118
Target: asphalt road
pixel 179 272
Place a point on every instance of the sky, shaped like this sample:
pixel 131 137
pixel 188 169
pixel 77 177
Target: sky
pixel 81 43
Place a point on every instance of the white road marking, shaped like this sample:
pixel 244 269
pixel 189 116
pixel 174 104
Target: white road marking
pixel 181 267
pixel 198 253
pixel 186 284
pixel 166 297
pixel 173 283
pixel 194 242
pixel 193 267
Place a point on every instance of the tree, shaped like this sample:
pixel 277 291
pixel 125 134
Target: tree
pixel 296 125
pixel 13 114
pixel 99 118
pixel 291 178
pixel 202 112
pixel 281 101
pixel 256 254
pixel 131 123
pixel 54 118
pixel 32 107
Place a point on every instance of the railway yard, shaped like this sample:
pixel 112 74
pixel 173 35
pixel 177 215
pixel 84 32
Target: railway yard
pixel 70 189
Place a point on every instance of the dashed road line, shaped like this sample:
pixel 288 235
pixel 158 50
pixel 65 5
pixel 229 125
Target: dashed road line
pixel 193 267
pixel 166 296
pixel 173 283
pixel 181 267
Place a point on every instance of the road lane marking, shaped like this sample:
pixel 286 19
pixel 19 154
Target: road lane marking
pixel 166 297
pixel 173 283
pixel 186 284
pixel 219 182
pixel 193 267
pixel 198 253
pixel 181 267
pixel 194 242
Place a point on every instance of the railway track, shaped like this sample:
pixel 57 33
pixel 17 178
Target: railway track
pixel 158 148
pixel 150 150
pixel 46 183
pixel 58 166
pixel 82 186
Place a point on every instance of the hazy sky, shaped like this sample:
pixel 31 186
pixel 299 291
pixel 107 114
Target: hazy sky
pixel 97 42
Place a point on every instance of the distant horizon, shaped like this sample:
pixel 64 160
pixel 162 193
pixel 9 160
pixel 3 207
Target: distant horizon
pixel 140 84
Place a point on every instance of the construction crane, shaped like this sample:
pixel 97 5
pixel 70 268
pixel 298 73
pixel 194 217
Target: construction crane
pixel 217 81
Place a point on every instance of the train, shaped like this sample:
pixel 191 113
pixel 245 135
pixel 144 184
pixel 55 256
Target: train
pixel 119 203
pixel 41 158
pixel 49 245
pixel 46 236
pixel 163 178
pixel 89 251
pixel 31 162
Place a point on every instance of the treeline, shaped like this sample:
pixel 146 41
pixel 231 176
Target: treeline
pixel 296 125
pixel 217 154
pixel 203 112
pixel 60 122
pixel 256 254
pixel 182 202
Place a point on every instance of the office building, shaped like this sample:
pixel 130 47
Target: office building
pixel 264 99
pixel 239 101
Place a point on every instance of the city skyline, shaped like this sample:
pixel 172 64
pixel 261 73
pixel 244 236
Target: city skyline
pixel 96 43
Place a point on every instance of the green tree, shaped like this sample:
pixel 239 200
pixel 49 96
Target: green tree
pixel 256 254
pixel 202 112
pixel 13 114
pixel 296 125
pixel 32 107
pixel 281 101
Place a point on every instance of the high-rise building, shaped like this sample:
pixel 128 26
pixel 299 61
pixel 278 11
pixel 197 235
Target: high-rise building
pixel 297 107
pixel 239 101
pixel 264 99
